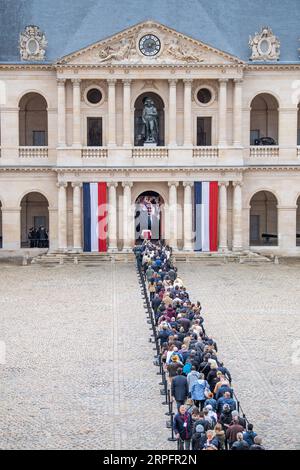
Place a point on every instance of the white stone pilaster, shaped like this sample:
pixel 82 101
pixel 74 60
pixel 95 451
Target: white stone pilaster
pixel 76 113
pixel 237 216
pixel 77 242
pixel 128 223
pixel 112 216
pixel 188 216
pixel 61 112
pixel 237 112
pixel 287 217
pixel 173 223
pixel 111 112
pixel 223 243
pixel 126 112
pixel 172 112
pixel 223 112
pixel 62 216
pixel 187 112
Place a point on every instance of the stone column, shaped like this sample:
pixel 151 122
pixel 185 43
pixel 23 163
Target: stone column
pixel 287 217
pixel 173 226
pixel 188 216
pixel 222 112
pixel 76 113
pixel 77 244
pixel 127 216
pixel 237 244
pixel 11 228
pixel 111 112
pixel 112 216
pixel 172 112
pixel 237 112
pixel 62 216
pixel 61 112
pixel 126 113
pixel 223 243
pixel 187 112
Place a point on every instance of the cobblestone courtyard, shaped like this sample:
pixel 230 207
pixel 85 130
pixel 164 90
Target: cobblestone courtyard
pixel 77 375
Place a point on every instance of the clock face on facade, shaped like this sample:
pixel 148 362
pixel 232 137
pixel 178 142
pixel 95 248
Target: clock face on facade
pixel 149 45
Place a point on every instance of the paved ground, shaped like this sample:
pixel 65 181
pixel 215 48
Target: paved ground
pixel 77 376
pixel 72 378
pixel 253 312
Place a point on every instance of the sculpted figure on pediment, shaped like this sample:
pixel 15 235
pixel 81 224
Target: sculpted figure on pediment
pixel 178 51
pixel 119 51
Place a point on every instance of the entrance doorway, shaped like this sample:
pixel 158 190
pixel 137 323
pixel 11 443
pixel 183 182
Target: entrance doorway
pixel 34 221
pixel 148 215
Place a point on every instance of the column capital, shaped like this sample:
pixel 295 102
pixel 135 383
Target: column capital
pixel 61 81
pixel 111 81
pixel 76 184
pixel 223 81
pixel 173 183
pixel 237 183
pixel 187 81
pixel 127 183
pixel 112 184
pixel 223 183
pixel 172 81
pixel 126 81
pixel 187 183
pixel 76 81
pixel 61 184
pixel 238 81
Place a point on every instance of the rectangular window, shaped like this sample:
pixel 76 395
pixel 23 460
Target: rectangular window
pixel 94 131
pixel 203 131
pixel 39 138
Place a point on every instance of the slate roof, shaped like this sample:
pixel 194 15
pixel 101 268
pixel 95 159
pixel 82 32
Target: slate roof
pixel 70 25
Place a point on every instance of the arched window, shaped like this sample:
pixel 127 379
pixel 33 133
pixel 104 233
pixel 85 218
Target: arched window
pixel 264 120
pixel 263 219
pixel 34 221
pixel 33 120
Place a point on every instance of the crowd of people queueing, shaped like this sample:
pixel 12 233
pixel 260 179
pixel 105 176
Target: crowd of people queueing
pixel 201 386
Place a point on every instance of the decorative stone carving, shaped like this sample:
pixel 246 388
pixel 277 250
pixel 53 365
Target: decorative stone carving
pixel 176 50
pixel 124 49
pixel 32 43
pixel 264 45
pixel 118 51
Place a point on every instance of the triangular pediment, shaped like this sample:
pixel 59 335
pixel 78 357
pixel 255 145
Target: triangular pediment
pixel 130 46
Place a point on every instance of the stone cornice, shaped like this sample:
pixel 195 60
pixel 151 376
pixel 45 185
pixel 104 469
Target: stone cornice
pixel 157 169
pixel 200 66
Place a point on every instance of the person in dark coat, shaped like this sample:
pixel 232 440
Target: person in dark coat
pixel 183 428
pixel 257 444
pixel 240 444
pixel 233 430
pixel 179 388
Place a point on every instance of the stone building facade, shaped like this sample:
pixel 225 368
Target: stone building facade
pixel 222 118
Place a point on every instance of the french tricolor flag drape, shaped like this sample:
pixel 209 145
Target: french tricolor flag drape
pixel 95 216
pixel 206 215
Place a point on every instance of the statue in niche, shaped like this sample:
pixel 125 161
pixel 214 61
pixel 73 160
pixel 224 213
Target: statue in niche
pixel 150 121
